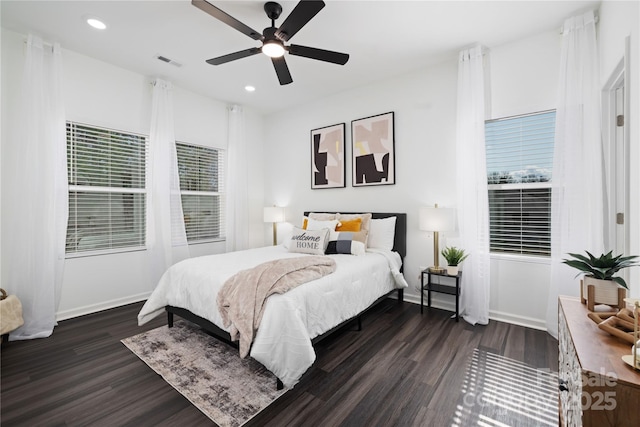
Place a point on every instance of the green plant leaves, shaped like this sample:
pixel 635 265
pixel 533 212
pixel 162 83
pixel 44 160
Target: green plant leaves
pixel 602 267
pixel 453 255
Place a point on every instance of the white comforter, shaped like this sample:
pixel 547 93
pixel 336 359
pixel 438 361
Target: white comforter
pixel 283 341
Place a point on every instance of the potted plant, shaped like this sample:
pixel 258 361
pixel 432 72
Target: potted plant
pixel 599 272
pixel 454 257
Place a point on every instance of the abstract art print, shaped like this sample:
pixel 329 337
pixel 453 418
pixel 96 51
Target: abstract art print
pixel 373 151
pixel 327 157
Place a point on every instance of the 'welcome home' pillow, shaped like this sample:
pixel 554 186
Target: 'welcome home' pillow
pixel 309 241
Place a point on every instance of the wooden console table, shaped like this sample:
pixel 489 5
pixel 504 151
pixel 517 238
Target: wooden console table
pixel 596 387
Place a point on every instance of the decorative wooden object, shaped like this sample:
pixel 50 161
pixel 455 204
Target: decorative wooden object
pixel 597 387
pixel 592 293
pixel 618 324
pixel 634 358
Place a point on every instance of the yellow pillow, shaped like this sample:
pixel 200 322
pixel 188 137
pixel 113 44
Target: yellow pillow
pixel 352 225
pixel 366 219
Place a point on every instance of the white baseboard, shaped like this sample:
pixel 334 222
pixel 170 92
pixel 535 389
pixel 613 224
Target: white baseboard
pixel 498 316
pixel 89 309
pixel 435 302
pixel 514 319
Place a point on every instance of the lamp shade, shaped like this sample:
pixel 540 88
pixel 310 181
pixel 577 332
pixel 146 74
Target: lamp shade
pixel 273 214
pixel 436 219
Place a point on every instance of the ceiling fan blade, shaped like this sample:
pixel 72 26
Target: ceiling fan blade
pixel 319 54
pixel 233 56
pixel 282 70
pixel 298 18
pixel 227 19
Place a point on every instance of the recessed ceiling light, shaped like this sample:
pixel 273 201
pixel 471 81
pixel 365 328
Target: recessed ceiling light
pixel 249 88
pixel 96 23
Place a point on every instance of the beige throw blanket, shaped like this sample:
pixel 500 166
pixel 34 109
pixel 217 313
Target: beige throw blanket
pixel 241 300
pixel 10 314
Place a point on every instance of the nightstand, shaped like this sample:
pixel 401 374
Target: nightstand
pixel 429 286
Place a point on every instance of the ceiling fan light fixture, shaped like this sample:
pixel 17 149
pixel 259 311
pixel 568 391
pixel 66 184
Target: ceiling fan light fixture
pixel 274 38
pixel 273 49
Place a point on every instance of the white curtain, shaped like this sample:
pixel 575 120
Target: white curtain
pixel 166 236
pixel 577 207
pixel 36 163
pixel 237 183
pixel 471 179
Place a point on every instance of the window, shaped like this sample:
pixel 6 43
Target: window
pixel 519 165
pixel 106 171
pixel 201 171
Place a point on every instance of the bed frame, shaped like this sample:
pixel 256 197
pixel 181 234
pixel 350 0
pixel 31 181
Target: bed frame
pixel 399 245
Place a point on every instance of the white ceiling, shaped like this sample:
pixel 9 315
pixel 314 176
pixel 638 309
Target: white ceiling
pixel 383 38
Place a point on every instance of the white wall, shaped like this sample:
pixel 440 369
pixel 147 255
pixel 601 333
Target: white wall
pixel 100 94
pixel 524 75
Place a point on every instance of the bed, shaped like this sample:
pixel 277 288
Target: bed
pixel 293 321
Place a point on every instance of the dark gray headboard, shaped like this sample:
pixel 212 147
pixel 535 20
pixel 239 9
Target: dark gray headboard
pixel 400 242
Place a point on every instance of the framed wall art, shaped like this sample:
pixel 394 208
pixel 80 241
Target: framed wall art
pixel 328 157
pixel 373 151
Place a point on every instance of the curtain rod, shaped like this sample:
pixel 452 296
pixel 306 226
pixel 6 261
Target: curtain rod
pixel 596 18
pixel 44 44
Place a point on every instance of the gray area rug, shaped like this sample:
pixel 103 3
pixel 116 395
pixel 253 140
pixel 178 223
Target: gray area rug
pixel 208 372
pixel 499 391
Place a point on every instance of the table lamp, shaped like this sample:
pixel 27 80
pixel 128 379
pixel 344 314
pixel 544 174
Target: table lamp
pixel 436 219
pixel 274 214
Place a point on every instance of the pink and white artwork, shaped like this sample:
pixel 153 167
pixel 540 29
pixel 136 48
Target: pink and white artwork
pixel 327 157
pixel 372 141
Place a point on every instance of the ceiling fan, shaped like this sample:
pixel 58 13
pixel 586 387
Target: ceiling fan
pixel 273 38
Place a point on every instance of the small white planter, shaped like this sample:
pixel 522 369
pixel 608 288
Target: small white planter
pixel 452 270
pixel 606 291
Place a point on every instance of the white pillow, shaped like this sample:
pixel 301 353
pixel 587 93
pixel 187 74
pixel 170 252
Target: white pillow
pixel 322 216
pixel 382 233
pixel 309 241
pixel 314 224
pixel 357 248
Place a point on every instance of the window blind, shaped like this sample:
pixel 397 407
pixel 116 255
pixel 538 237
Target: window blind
pixel 106 171
pixel 519 154
pixel 519 220
pixel 201 171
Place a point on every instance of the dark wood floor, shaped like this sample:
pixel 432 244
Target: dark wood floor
pixel 402 369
